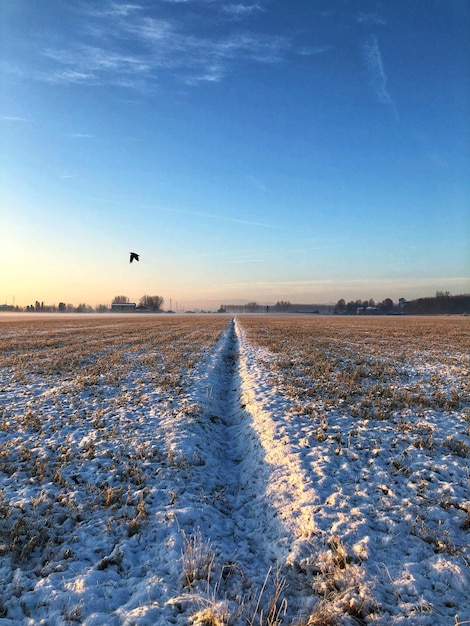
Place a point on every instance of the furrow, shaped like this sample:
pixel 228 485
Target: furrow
pixel 237 483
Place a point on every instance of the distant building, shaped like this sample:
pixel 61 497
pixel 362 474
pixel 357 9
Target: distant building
pixel 368 310
pixel 123 307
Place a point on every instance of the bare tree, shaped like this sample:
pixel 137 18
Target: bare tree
pixel 283 305
pixel 154 303
pixel 84 308
pixel 120 300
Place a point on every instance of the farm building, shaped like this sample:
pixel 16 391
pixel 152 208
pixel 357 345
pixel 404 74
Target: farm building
pixel 123 307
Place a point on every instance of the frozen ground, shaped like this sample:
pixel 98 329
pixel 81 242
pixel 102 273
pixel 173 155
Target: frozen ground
pixel 221 502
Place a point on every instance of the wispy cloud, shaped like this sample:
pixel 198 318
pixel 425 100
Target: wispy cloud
pixel 223 218
pixel 91 65
pixel 313 50
pixel 376 73
pixel 115 9
pixel 13 118
pixel 172 48
pixel 230 255
pixel 241 10
pixel 123 44
pixel 371 18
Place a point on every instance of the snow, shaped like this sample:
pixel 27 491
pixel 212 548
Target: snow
pixel 136 493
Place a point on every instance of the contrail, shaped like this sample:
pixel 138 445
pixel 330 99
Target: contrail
pixel 375 69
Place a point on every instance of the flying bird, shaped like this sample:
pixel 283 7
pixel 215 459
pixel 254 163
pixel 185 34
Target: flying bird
pixel 134 256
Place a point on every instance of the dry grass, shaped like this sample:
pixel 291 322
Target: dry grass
pixel 69 425
pixel 354 384
pixel 197 559
pixel 269 611
pixel 377 369
pixel 369 362
pixel 79 384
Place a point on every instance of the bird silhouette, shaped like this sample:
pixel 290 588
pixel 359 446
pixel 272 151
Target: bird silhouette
pixel 134 256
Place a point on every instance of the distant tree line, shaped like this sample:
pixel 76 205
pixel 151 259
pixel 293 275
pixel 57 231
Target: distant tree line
pixel 62 307
pixel 254 307
pixel 443 303
pixel 281 306
pixel 355 307
pixel 146 303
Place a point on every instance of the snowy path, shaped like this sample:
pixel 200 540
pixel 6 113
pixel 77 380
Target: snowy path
pixel 234 510
pixel 237 474
pixel 255 500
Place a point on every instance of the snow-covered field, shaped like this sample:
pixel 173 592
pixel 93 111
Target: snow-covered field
pixel 262 470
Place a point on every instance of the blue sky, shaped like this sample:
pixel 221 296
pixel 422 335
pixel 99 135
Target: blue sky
pixel 248 150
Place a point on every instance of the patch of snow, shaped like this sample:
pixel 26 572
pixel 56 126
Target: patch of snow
pixel 139 501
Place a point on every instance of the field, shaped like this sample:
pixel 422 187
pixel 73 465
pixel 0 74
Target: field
pixel 262 470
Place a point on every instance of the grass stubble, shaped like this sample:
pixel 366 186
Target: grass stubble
pixel 72 398
pixel 392 394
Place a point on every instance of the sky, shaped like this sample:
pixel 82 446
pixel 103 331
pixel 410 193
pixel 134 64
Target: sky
pixel 301 150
